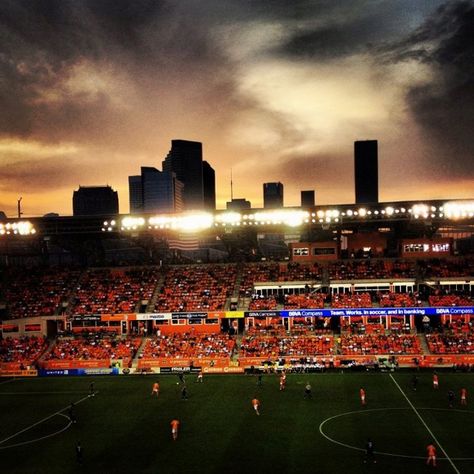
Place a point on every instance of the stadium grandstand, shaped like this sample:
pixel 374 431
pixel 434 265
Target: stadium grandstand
pixel 392 280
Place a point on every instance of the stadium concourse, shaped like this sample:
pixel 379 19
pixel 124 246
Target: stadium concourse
pixel 231 318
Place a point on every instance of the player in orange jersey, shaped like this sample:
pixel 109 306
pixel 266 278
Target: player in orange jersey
pixel 431 450
pixel 362 396
pixel 435 381
pixel 282 381
pixel 174 429
pixel 463 396
pixel 256 404
pixel 156 389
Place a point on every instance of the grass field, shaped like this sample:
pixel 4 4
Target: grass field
pixel 125 430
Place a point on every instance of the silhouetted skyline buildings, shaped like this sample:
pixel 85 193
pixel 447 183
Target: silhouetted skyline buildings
pixel 189 183
pixel 185 160
pixel 272 195
pixel 95 201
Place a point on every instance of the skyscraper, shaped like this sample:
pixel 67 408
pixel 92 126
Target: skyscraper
pixel 307 198
pixel 366 171
pixel 155 191
pixel 209 186
pixel 185 159
pixel 135 193
pixel 95 201
pixel 272 195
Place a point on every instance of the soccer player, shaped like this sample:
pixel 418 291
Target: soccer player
pixel 307 391
pixel 199 377
pixel 155 389
pixel 259 379
pixel 463 396
pixel 414 382
pixel 79 453
pixel 184 393
pixel 450 398
pixel 174 429
pixel 72 415
pixel 91 390
pixel 435 381
pixel 282 382
pixel 362 396
pixel 256 404
pixel 431 450
pixel 369 451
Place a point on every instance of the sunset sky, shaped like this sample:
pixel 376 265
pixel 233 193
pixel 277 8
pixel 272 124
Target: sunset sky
pixel 277 90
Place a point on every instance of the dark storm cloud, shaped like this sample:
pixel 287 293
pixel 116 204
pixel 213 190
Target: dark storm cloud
pixel 338 29
pixel 39 176
pixel 41 42
pixel 444 106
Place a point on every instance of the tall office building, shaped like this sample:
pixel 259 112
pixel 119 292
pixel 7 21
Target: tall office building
pixel 209 186
pixel 307 198
pixel 272 195
pixel 185 160
pixel 366 172
pixel 155 191
pixel 95 201
pixel 135 194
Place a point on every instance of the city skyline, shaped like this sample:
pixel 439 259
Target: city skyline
pixel 92 91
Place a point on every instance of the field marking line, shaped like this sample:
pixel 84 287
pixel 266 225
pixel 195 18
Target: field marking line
pixel 43 393
pixel 42 437
pixel 425 425
pixel 7 381
pixel 59 412
pixel 383 453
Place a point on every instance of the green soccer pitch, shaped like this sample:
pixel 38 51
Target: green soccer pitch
pixel 123 429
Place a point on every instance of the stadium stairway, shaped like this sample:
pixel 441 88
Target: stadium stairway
pixel 423 343
pixel 41 358
pixel 156 293
pixel 139 353
pixel 68 305
pixel 238 341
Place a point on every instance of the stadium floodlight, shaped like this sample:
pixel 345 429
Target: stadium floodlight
pixel 389 210
pixel 420 210
pixel 134 223
pixel 283 216
pixel 320 214
pixel 458 209
pixel 362 212
pixel 229 218
pixel 350 212
pixel 18 228
pixel 193 222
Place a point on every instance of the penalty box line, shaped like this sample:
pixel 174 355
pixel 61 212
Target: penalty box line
pixel 59 412
pixel 426 426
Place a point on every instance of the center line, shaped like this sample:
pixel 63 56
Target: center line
pixel 426 426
